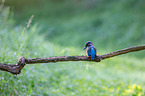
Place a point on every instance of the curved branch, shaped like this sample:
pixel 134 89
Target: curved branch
pixel 123 51
pixel 16 69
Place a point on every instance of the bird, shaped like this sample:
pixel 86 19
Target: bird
pixel 91 50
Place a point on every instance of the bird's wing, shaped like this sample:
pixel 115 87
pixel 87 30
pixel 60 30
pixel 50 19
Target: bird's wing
pixel 93 53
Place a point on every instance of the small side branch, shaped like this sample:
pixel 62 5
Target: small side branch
pixel 16 68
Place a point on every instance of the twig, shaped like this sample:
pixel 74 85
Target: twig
pixel 16 68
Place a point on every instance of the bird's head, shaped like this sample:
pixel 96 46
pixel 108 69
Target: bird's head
pixel 88 43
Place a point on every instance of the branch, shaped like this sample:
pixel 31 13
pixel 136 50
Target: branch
pixel 123 51
pixel 16 68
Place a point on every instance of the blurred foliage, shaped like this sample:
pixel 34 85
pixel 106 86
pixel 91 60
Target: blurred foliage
pixel 105 22
pixel 60 28
pixel 134 90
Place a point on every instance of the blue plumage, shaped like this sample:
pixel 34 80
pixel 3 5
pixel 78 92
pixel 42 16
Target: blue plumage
pixel 91 51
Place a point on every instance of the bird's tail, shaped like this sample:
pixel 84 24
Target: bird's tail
pixel 93 54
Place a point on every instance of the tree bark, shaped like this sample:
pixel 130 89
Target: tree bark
pixel 16 68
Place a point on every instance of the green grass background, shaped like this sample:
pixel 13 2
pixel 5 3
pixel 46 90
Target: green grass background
pixel 61 28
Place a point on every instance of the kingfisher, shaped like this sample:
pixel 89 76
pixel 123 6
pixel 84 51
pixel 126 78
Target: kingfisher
pixel 91 50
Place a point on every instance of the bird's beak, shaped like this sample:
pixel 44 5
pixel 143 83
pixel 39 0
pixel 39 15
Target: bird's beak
pixel 84 48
